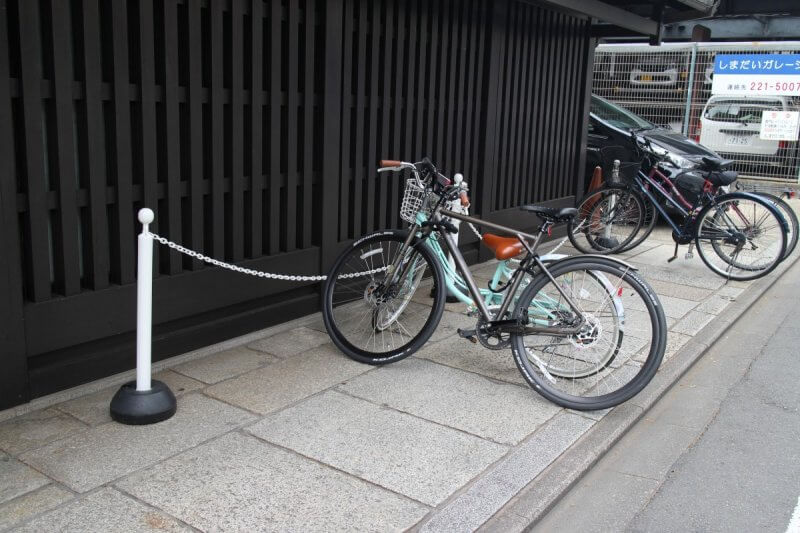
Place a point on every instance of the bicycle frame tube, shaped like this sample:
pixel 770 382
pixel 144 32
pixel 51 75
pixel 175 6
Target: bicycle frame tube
pixel 486 224
pixel 466 276
pixel 644 190
pixel 470 281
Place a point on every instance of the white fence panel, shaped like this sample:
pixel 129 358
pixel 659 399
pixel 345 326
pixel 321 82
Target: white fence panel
pixel 670 85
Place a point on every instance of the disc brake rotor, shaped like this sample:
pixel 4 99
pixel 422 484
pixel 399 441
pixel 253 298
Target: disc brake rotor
pixel 589 334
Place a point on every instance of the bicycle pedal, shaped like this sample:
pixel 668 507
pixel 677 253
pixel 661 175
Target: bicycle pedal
pixel 689 255
pixel 468 334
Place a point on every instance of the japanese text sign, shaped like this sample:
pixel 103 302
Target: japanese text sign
pixel 780 125
pixel 757 74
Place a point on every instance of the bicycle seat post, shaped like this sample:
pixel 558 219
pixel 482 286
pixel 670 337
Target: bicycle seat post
pixel 544 228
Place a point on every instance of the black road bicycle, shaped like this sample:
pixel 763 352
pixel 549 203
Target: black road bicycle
pixel 586 332
pixel 738 235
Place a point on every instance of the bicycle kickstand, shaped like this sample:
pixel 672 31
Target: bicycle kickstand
pixel 675 255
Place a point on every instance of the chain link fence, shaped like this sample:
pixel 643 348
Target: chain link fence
pixel 670 85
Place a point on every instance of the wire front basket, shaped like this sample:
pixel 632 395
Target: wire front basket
pixel 627 169
pixel 413 201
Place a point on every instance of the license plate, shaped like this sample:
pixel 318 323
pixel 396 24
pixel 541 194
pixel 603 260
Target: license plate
pixel 646 77
pixel 738 141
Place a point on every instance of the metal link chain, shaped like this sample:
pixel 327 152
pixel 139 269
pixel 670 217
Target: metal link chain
pixel 285 277
pixel 257 273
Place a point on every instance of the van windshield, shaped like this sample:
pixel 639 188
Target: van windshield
pixel 618 116
pixel 742 111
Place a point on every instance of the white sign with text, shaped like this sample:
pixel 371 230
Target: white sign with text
pixel 780 125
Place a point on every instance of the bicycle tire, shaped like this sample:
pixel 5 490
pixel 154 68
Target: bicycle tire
pixel 606 359
pixel 791 218
pixel 589 221
pixel 647 227
pixel 635 364
pixel 721 231
pixel 344 302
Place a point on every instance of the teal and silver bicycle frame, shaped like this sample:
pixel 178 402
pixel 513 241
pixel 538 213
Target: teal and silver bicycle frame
pixel 462 286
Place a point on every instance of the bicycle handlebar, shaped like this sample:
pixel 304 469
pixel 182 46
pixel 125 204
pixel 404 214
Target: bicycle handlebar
pixel 458 191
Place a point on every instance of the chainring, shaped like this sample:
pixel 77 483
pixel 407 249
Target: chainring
pixel 489 338
pixel 681 239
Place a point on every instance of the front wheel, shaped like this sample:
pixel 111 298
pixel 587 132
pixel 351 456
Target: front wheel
pixel 741 236
pixel 367 302
pixel 620 344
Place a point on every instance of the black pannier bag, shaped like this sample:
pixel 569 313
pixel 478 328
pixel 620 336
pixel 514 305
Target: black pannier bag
pixel 690 185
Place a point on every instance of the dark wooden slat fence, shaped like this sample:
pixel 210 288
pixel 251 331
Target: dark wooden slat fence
pixel 253 129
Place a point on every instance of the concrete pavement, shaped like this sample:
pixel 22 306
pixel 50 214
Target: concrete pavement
pixel 719 452
pixel 279 431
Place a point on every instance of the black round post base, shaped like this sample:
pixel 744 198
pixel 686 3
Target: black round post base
pixel 607 242
pixel 133 407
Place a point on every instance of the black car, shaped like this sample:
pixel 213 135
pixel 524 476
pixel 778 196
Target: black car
pixel 609 138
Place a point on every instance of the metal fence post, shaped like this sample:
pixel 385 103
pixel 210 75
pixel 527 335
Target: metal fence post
pixel 689 90
pixel 144 401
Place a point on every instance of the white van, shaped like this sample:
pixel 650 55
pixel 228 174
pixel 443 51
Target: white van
pixel 731 126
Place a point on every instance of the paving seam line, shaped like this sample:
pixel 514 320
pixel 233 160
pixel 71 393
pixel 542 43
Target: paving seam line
pixel 543 492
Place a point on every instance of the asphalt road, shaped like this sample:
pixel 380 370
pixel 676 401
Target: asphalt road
pixel 720 451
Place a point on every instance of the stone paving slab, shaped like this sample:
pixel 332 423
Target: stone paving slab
pixel 104 511
pixel 423 460
pixel 93 409
pixel 673 307
pixel 496 487
pixel 31 504
pixel 106 452
pixel 17 479
pixel 223 365
pixel 463 354
pixel 704 279
pixel 685 292
pixel 280 384
pixel 291 342
pixel 500 412
pixel 715 304
pixel 692 323
pixel 36 429
pixel 675 341
pixel 238 483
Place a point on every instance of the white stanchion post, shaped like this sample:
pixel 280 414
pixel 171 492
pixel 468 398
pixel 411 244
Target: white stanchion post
pixel 144 302
pixel 145 401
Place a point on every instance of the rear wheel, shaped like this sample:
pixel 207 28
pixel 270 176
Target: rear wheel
pixel 790 217
pixel 740 236
pixel 648 224
pixel 367 304
pixel 618 348
pixel 607 221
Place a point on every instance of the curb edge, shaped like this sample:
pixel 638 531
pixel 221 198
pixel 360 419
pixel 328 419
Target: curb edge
pixel 527 507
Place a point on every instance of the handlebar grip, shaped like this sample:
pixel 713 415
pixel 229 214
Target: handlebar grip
pixel 389 163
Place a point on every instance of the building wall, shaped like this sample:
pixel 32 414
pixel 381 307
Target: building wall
pixel 253 130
